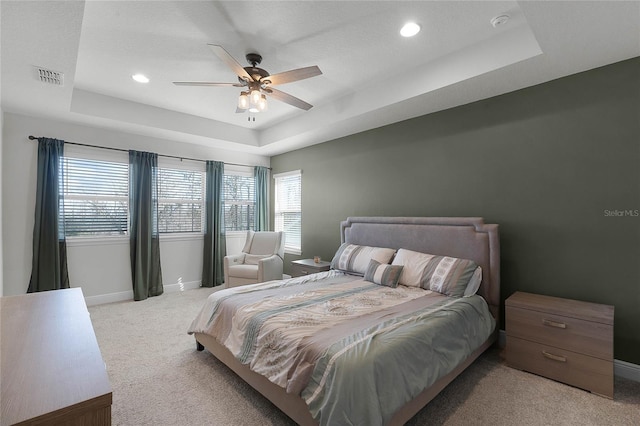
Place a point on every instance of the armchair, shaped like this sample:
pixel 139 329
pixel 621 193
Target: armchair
pixel 261 260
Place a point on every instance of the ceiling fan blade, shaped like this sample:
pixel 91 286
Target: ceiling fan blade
pixel 288 99
pixel 231 63
pixel 206 83
pixel 293 75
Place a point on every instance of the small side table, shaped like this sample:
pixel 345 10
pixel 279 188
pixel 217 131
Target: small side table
pixel 308 266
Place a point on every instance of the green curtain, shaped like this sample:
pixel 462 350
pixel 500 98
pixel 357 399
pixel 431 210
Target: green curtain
pixel 144 241
pixel 49 263
pixel 261 216
pixel 215 244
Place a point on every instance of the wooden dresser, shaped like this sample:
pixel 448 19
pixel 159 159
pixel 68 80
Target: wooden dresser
pixel 51 367
pixel 566 340
pixel 308 266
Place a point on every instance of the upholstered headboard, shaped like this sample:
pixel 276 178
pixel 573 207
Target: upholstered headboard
pixel 462 237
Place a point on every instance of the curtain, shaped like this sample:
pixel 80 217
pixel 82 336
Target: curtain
pixel 261 217
pixel 49 263
pixel 144 241
pixel 215 244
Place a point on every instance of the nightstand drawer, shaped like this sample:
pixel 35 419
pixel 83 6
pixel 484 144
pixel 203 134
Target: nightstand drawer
pixel 303 267
pixel 300 270
pixel 573 334
pixel 564 366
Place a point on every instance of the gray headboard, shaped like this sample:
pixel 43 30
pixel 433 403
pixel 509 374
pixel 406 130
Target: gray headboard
pixel 463 237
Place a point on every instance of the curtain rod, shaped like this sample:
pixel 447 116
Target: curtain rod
pixel 126 150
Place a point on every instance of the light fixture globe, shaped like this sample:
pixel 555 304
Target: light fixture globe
pixel 255 96
pixel 243 100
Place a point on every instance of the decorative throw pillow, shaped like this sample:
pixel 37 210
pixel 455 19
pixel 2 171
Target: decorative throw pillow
pixel 383 274
pixel 444 274
pixel 355 259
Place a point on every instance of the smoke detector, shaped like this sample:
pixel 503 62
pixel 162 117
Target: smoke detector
pixel 49 76
pixel 499 20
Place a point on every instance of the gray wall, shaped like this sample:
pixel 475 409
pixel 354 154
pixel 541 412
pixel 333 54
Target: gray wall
pixel 546 163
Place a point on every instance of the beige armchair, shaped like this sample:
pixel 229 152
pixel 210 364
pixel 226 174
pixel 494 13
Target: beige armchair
pixel 261 260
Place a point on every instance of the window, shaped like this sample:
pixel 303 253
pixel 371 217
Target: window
pixel 288 209
pixel 239 201
pixel 94 197
pixel 180 200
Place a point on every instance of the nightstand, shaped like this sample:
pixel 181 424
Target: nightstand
pixel 565 340
pixel 308 266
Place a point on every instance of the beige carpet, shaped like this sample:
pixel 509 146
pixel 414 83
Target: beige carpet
pixel 158 378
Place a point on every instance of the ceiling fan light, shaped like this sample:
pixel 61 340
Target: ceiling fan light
pixel 255 97
pixel 254 109
pixel 243 100
pixel 262 103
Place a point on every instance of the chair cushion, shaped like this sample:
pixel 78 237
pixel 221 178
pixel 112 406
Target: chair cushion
pixel 265 243
pixel 244 271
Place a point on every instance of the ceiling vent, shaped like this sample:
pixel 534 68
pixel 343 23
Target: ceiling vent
pixel 49 76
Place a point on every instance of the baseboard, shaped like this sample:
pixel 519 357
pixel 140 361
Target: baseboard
pixel 128 295
pixel 622 369
pixel 109 298
pixel 626 369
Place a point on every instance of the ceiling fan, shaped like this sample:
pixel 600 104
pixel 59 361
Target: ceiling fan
pixel 258 82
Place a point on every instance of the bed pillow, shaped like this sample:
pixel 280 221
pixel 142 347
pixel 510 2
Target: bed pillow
pixel 474 283
pixel 383 274
pixel 355 259
pixel 444 274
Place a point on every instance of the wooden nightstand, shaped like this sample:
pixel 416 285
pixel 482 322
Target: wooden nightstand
pixel 565 340
pixel 308 266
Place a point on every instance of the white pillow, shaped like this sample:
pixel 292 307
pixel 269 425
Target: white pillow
pixel 444 274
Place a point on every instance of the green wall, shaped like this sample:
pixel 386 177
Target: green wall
pixel 545 163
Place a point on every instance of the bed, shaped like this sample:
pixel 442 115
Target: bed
pixel 382 352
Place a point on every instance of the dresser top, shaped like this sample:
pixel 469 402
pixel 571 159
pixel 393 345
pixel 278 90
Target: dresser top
pixel 310 262
pixel 51 361
pixel 587 311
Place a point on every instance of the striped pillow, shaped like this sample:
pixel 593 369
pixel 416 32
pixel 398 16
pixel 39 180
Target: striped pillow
pixel 355 259
pixel 444 274
pixel 380 274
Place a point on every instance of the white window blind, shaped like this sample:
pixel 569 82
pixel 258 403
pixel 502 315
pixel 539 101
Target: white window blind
pixel 239 201
pixel 94 197
pixel 288 209
pixel 180 200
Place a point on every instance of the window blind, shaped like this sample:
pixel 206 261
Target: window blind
pixel 94 197
pixel 239 202
pixel 180 200
pixel 288 209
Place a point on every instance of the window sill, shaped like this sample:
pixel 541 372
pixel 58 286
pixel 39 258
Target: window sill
pixel 190 236
pixel 97 241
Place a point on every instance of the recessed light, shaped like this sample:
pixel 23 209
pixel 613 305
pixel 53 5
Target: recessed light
pixel 140 78
pixel 410 29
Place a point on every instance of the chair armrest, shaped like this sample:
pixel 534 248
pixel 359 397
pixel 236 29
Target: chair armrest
pixel 230 260
pixel 234 259
pixel 270 268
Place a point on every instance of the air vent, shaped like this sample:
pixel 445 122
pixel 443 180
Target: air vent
pixel 49 76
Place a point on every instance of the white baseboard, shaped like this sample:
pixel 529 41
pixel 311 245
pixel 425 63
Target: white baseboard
pixel 622 369
pixel 109 298
pixel 128 295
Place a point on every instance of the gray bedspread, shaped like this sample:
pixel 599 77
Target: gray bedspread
pixel 354 351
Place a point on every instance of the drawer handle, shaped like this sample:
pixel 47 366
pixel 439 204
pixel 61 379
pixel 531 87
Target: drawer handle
pixel 554 323
pixel 554 357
